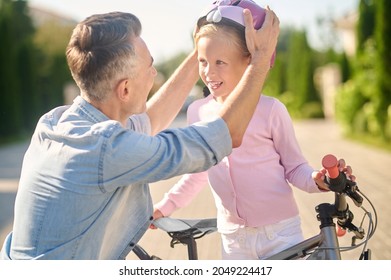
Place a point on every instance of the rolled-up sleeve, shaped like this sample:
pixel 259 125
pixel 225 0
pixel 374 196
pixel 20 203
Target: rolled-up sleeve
pixel 130 157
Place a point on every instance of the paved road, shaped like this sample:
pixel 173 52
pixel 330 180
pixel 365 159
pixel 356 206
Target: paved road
pixel 316 137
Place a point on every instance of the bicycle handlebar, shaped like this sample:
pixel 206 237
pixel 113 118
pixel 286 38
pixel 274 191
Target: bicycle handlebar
pixel 338 182
pixel 341 186
pixel 336 179
pixel 330 163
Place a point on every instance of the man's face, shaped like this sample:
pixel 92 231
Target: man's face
pixel 142 83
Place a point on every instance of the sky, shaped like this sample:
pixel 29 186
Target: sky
pixel 168 24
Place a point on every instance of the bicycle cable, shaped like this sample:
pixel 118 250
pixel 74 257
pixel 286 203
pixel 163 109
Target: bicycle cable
pixel 372 225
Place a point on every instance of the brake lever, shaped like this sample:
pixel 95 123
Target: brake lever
pixel 358 234
pixel 351 190
pixel 347 224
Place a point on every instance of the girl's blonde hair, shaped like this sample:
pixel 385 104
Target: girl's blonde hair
pixel 234 33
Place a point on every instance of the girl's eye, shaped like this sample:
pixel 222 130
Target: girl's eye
pixel 219 62
pixel 202 61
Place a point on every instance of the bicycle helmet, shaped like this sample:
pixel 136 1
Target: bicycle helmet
pixel 233 10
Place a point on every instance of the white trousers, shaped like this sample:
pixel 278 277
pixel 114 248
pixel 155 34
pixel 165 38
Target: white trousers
pixel 259 243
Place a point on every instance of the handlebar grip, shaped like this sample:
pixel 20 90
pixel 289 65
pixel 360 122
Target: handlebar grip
pixel 330 163
pixel 336 179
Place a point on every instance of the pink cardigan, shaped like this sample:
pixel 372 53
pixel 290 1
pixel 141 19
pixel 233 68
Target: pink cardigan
pixel 252 186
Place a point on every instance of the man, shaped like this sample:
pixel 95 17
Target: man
pixel 83 191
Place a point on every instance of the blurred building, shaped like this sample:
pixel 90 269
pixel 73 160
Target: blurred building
pixel 40 15
pixel 328 78
pixel 346 27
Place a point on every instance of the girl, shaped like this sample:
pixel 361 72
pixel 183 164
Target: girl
pixel 257 215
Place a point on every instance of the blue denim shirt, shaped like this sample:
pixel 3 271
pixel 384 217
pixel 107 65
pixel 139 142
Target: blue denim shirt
pixel 83 191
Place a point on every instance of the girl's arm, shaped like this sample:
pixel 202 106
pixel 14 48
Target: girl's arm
pixel 182 193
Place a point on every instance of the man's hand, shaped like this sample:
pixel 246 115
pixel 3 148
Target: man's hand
pixel 262 43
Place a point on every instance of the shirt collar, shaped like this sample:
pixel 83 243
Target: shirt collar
pixel 91 112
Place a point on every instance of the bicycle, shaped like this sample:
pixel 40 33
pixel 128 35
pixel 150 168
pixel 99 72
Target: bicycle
pixel 323 246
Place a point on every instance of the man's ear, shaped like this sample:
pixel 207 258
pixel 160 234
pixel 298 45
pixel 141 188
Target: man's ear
pixel 123 90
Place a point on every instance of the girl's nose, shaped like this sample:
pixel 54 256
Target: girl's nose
pixel 208 70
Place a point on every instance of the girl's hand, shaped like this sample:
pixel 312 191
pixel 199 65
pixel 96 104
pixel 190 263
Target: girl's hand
pixel 156 215
pixel 320 175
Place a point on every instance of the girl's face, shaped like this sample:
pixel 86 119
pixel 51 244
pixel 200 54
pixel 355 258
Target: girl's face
pixel 221 64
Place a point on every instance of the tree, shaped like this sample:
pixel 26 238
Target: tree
pixel 304 100
pixel 382 99
pixel 12 34
pixel 33 70
pixel 364 102
pixel 366 23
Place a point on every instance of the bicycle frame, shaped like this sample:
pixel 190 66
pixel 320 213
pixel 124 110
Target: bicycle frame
pixel 323 246
pixel 318 242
